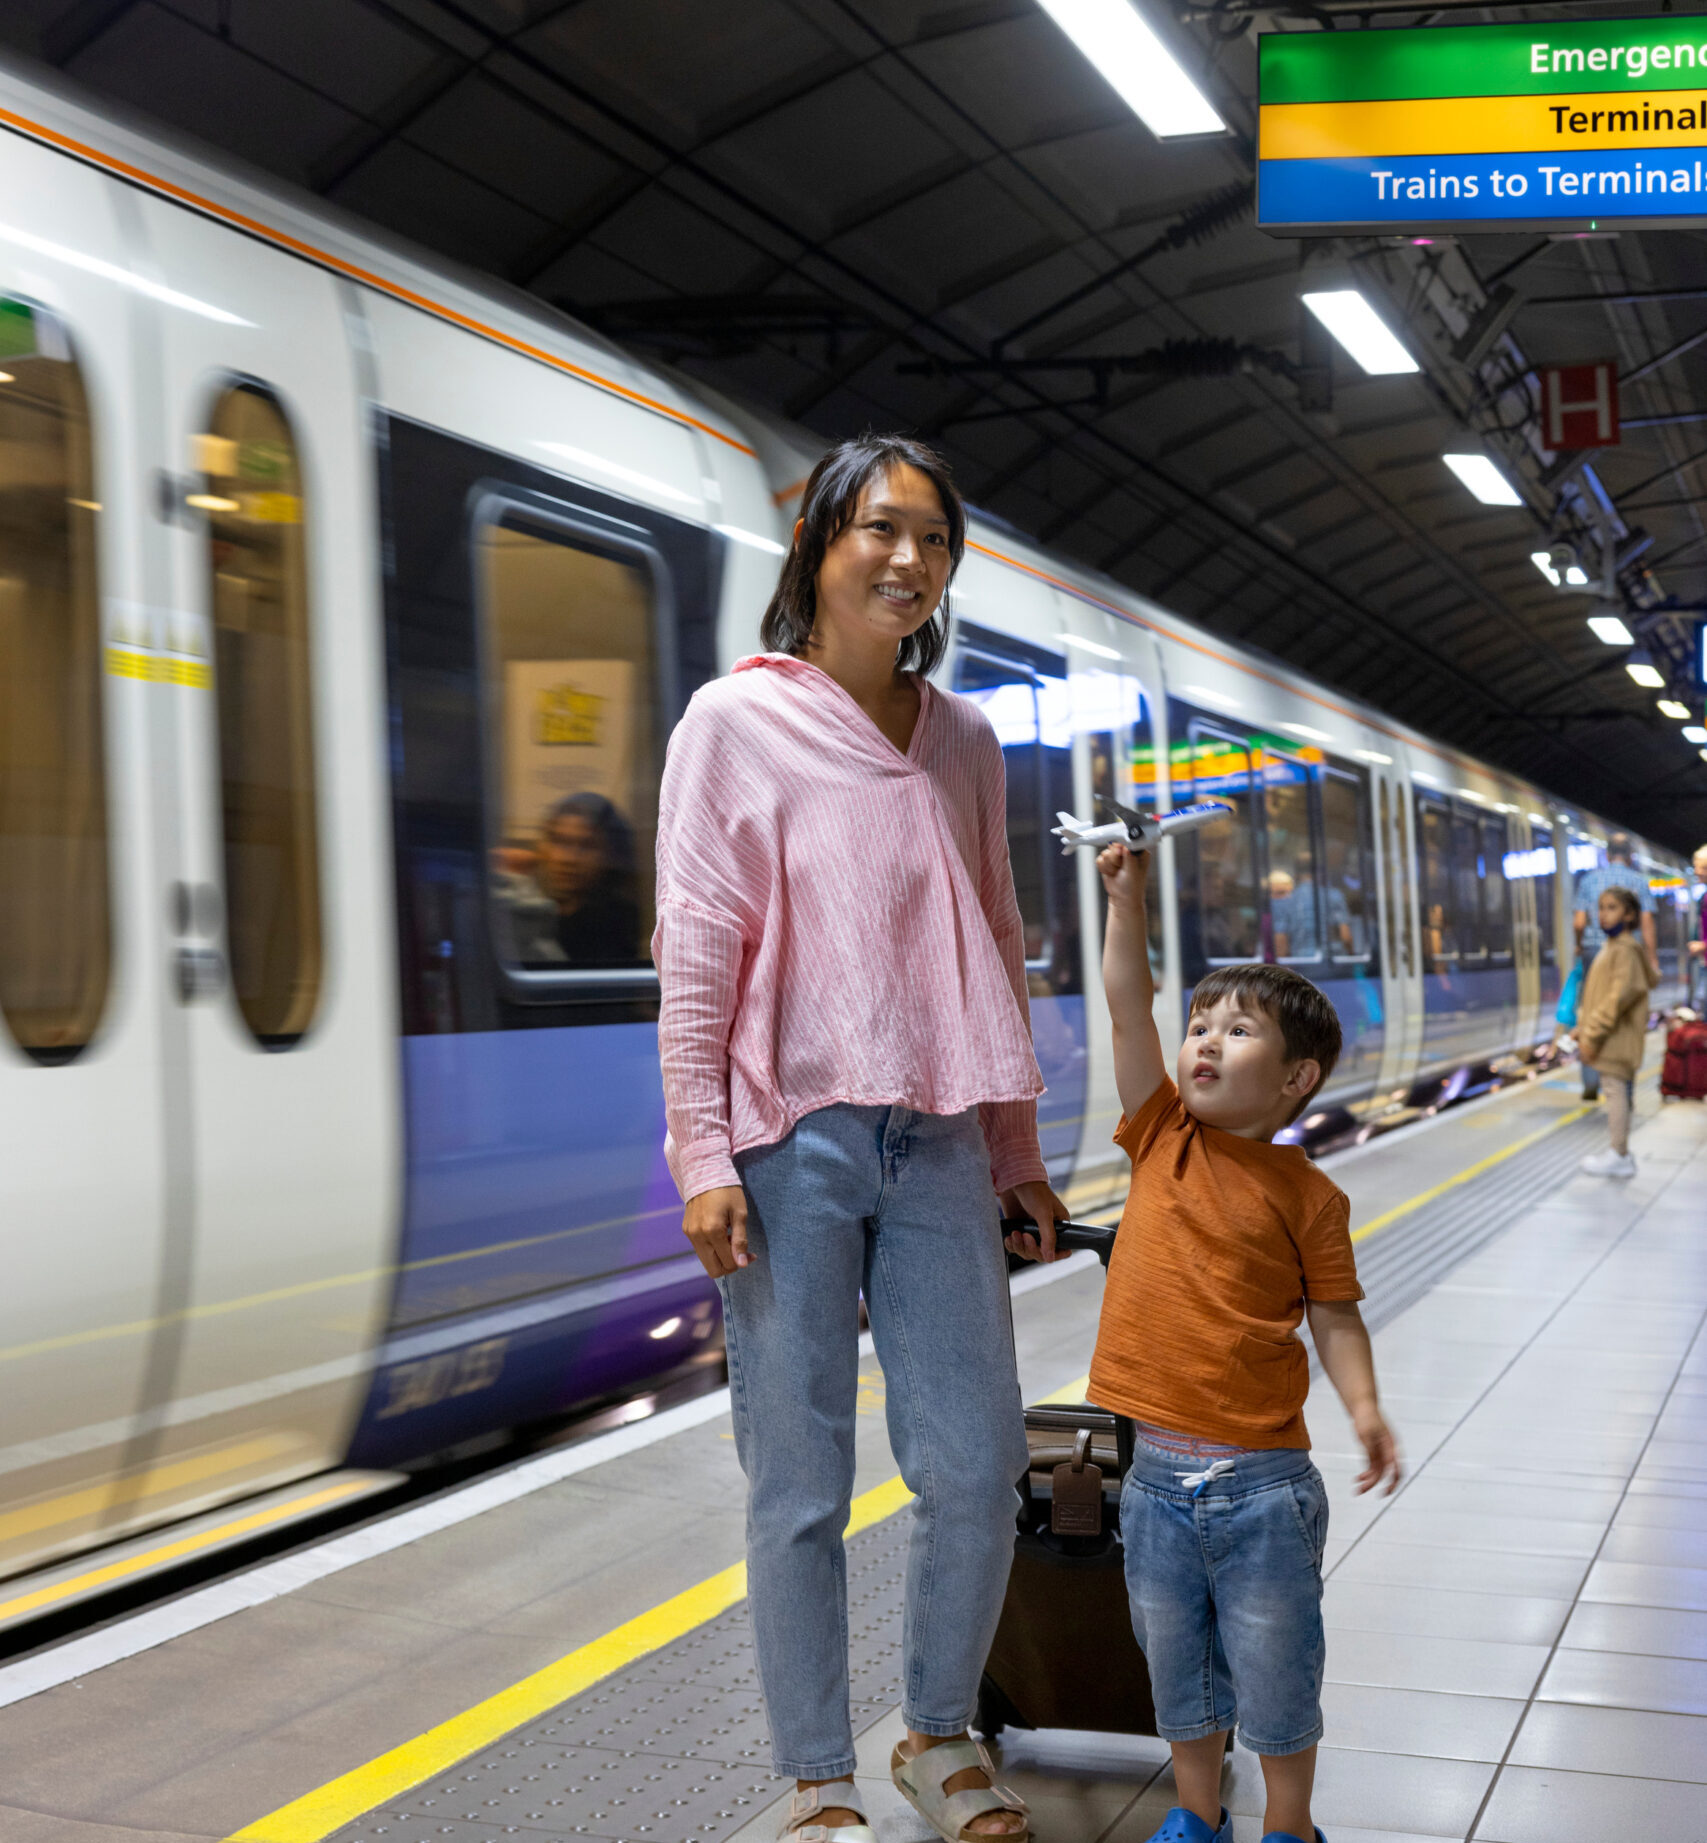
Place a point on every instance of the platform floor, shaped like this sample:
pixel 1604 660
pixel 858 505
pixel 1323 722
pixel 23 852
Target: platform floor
pixel 1517 1640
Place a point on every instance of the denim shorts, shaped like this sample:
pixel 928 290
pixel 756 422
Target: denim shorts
pixel 1225 1585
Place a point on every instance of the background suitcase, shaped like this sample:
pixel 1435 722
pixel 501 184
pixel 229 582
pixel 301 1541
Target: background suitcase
pixel 1684 1075
pixel 1064 1655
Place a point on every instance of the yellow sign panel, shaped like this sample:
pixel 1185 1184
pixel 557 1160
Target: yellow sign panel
pixel 1435 126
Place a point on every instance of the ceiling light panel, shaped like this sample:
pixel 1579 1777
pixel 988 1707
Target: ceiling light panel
pixel 1611 631
pixel 1649 677
pixel 1694 733
pixel 1670 707
pixel 1484 479
pixel 1139 67
pixel 1362 331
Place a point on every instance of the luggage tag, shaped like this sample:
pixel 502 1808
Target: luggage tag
pixel 1077 1509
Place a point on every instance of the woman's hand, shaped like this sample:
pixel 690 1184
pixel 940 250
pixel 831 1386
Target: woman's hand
pixel 716 1223
pixel 1041 1204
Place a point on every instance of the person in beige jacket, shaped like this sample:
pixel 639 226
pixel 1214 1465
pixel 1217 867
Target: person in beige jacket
pixel 1612 1023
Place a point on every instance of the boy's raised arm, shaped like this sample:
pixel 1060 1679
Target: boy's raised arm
pixel 1139 1066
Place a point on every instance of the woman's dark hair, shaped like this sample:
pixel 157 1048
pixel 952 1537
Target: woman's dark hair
pixel 618 835
pixel 827 507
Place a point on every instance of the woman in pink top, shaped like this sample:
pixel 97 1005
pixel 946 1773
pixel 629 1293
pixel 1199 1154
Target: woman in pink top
pixel 850 1086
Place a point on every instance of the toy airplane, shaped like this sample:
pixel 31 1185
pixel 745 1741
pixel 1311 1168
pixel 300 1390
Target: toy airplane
pixel 1137 831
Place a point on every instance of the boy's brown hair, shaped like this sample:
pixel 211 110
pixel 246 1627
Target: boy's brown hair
pixel 1309 1025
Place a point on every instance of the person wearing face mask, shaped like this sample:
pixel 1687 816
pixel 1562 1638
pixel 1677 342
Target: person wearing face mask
pixel 849 1085
pixel 1612 1023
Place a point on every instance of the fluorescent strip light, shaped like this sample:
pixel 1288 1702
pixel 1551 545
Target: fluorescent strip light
pixel 1373 755
pixel 1362 331
pixel 1670 707
pixel 126 278
pixel 1138 65
pixel 1610 631
pixel 1649 677
pixel 1544 564
pixel 1541 819
pixel 581 458
pixel 1695 733
pixel 1303 729
pixel 1576 577
pixel 1213 697
pixel 736 535
pixel 1422 774
pixel 1469 793
pixel 1484 479
pixel 1087 646
pixel 1703 754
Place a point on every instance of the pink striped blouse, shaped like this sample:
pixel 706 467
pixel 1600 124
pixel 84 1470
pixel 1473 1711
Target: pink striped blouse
pixel 836 922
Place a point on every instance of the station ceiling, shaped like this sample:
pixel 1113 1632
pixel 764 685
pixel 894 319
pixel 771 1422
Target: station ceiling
pixel 935 214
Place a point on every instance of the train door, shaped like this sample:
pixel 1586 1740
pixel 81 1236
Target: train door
pixel 1023 689
pixel 1401 986
pixel 81 1140
pixel 1518 870
pixel 272 872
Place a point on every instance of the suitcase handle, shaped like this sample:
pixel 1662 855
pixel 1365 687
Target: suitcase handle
pixel 1073 1236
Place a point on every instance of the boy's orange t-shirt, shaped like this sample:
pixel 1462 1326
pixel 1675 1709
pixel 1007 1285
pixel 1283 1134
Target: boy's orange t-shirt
pixel 1222 1242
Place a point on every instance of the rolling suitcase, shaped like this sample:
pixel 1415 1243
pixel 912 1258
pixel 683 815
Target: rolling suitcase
pixel 1684 1076
pixel 1064 1655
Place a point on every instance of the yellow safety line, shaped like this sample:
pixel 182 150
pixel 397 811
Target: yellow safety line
pixel 1375 1226
pixel 24 1603
pixel 318 1813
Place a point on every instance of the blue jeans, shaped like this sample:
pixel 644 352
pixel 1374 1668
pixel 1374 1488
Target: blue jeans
pixel 897 1203
pixel 1225 1587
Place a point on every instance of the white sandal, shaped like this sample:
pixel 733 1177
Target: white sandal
pixel 835 1795
pixel 920 1779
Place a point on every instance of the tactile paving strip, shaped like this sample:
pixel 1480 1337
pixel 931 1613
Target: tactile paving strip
pixel 672 1749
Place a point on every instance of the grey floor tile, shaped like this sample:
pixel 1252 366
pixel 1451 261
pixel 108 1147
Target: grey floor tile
pixel 1408 1564
pixel 1533 1805
pixel 1626 1680
pixel 1451 1666
pixel 1413 1721
pixel 18 1825
pixel 1634 1583
pixel 1649 1508
pixel 1518 1534
pixel 1654 1631
pixel 1438 1612
pixel 1634 1742
pixel 1667 1547
pixel 1499 1497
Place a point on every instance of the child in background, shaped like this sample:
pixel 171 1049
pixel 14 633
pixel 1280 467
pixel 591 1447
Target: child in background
pixel 1226 1243
pixel 1612 1024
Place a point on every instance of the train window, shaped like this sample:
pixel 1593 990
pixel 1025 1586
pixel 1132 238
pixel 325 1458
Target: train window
pixel 55 917
pixel 1123 765
pixel 1348 883
pixel 1467 888
pixel 1294 896
pixel 1496 891
pixel 258 563
pixel 1226 882
pixel 1545 920
pixel 1029 708
pixel 1441 951
pixel 574 746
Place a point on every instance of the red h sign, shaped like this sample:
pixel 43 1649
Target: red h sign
pixel 1579 405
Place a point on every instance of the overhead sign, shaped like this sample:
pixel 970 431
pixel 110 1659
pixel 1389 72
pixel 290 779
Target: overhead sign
pixel 1579 405
pixel 1450 127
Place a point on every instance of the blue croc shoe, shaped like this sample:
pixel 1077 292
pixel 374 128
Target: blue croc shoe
pixel 1183 1826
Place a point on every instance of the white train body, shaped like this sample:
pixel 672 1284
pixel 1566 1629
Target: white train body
pixel 303 1160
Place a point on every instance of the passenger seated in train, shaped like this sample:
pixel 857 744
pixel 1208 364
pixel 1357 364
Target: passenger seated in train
pixel 1227 1243
pixel 569 897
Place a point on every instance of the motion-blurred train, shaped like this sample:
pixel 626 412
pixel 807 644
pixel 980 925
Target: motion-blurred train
pixel 346 604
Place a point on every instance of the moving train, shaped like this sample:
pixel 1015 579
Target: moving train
pixel 346 603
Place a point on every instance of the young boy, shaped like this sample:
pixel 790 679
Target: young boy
pixel 1226 1243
